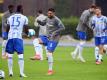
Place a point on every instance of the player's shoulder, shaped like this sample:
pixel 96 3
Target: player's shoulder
pixel 41 16
pixel 104 16
pixel 5 13
pixel 94 17
pixel 86 12
pixel 56 18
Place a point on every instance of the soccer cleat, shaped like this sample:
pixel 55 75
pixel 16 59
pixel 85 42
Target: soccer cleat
pixel 73 55
pixel 46 58
pixel 98 62
pixel 50 72
pixel 23 75
pixel 81 59
pixel 101 60
pixel 11 75
pixel 36 57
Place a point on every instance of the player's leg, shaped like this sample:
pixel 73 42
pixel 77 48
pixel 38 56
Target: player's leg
pixel 96 53
pixel 105 45
pixel 3 49
pixel 80 56
pixel 46 52
pixel 38 50
pixel 10 51
pixel 18 46
pixel 75 52
pixel 101 47
pixel 10 64
pixel 82 37
pixel 51 47
pixel 4 35
pixel 100 53
pixel 105 48
pixel 100 43
pixel 21 65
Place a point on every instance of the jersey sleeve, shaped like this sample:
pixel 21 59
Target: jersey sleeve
pixel 26 21
pixel 92 23
pixel 59 25
pixel 84 17
pixel 35 23
pixel 7 22
pixel 105 21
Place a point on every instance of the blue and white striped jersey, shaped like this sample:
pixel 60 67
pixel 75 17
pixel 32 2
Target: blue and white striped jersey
pixel 99 24
pixel 16 22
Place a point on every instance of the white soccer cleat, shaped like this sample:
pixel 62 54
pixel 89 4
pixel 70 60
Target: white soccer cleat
pixel 73 55
pixel 10 74
pixel 23 75
pixel 81 59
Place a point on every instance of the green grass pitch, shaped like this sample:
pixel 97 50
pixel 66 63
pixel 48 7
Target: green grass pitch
pixel 64 67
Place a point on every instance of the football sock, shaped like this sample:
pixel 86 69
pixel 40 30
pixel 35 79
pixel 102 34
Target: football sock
pixel 76 50
pixel 46 51
pixel 10 63
pixel 50 61
pixel 81 48
pixel 38 48
pixel 21 63
pixel 96 53
pixel 4 46
pixel 100 57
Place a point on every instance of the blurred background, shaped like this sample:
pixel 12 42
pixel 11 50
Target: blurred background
pixel 68 10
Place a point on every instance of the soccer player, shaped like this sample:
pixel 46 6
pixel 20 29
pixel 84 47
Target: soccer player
pixel 40 22
pixel 16 24
pixel 4 24
pixel 81 32
pixel 99 26
pixel 53 27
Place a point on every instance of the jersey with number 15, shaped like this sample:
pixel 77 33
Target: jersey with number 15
pixel 16 23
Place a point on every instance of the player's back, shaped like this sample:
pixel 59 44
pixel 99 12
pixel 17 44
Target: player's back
pixel 42 28
pixel 84 21
pixel 16 22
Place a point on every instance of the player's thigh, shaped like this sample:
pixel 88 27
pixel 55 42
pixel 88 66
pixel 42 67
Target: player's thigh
pixel 52 46
pixel 105 40
pixel 97 41
pixel 10 46
pixel 81 35
pixel 18 46
pixel 44 40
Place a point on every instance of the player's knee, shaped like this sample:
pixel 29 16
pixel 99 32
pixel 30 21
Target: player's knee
pixel 35 42
pixel 49 53
pixel 10 56
pixel 105 46
pixel 82 43
pixel 4 43
pixel 96 48
pixel 20 56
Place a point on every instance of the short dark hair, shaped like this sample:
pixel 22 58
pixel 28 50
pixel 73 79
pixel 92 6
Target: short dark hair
pixel 40 11
pixel 93 6
pixel 19 8
pixel 98 7
pixel 10 6
pixel 51 9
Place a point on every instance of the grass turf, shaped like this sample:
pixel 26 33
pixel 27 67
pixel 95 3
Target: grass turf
pixel 64 67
